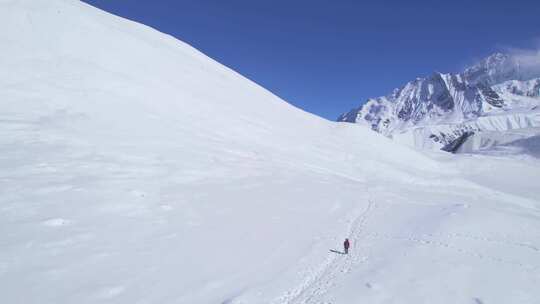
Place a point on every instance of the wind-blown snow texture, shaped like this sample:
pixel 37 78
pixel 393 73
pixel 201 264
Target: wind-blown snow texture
pixel 435 111
pixel 134 169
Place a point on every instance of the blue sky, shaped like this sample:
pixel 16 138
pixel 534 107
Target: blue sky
pixel 328 56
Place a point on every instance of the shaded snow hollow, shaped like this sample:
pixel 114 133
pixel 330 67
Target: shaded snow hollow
pixel 134 169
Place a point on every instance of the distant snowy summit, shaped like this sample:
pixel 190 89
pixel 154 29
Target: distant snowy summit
pixel 500 93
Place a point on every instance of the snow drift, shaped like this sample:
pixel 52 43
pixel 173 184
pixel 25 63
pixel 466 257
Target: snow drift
pixel 134 169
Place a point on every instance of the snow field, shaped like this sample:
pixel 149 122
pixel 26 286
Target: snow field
pixel 134 169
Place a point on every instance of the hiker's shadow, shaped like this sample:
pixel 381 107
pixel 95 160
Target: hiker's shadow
pixel 338 252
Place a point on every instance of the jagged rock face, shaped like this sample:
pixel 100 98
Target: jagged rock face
pixel 490 96
pixel 423 97
pixel 419 101
pixel 454 145
pixel 450 98
pixel 530 88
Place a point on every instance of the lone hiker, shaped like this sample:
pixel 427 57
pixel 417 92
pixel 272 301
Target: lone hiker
pixel 346 246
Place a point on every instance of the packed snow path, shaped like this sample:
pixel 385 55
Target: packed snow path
pixel 322 284
pixel 432 234
pixel 322 279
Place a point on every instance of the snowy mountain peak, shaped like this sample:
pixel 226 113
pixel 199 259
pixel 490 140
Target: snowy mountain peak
pixel 501 67
pixel 494 69
pixel 489 87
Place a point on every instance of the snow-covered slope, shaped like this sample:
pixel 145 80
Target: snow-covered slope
pixel 433 112
pixel 134 169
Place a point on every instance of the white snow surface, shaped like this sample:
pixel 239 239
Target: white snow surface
pixel 134 169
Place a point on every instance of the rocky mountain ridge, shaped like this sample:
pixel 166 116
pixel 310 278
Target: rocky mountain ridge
pixel 498 85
